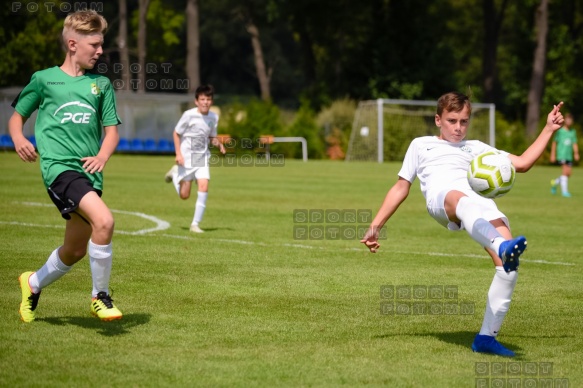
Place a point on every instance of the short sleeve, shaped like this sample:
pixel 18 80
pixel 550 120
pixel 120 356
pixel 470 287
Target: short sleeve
pixel 109 114
pixel 29 98
pixel 410 163
pixel 182 124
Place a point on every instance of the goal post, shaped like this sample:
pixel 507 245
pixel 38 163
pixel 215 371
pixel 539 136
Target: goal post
pixel 382 129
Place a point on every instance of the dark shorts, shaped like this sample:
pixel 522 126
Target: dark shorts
pixel 67 191
pixel 565 162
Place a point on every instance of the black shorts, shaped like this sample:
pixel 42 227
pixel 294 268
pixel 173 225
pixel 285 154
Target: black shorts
pixel 67 191
pixel 566 162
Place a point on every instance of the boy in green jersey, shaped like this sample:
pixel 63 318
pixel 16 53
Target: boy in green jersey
pixel 564 150
pixel 73 109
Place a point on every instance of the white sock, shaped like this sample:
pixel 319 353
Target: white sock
pixel 100 260
pixel 200 207
pixel 176 181
pixel 564 180
pixel 481 231
pixel 499 297
pixel 52 271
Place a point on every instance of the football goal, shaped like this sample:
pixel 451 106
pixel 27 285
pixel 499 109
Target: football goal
pixel 382 129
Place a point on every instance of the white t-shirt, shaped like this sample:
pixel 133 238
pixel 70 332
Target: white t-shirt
pixel 195 129
pixel 440 165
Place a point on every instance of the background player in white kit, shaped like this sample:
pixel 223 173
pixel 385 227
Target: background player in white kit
pixel 440 163
pixel 195 129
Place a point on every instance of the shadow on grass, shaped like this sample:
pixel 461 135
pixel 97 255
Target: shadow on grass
pixel 463 339
pixel 208 229
pixel 108 329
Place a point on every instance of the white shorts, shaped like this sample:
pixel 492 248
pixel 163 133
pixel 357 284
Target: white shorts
pixel 192 173
pixel 436 209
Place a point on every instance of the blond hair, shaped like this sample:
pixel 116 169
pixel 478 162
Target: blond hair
pixel 84 22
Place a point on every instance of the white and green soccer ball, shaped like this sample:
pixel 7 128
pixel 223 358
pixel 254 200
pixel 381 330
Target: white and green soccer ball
pixel 491 174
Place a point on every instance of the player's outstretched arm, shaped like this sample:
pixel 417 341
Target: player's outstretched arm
pixel 394 198
pixel 93 164
pixel 22 145
pixel 555 121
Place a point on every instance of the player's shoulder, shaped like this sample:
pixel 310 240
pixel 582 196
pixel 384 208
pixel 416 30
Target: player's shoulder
pixel 102 79
pixel 424 141
pixel 49 71
pixel 44 74
pixel 213 115
pixel 476 143
pixel 189 114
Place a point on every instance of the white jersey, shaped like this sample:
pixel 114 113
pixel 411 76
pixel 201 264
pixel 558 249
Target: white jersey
pixel 440 164
pixel 195 129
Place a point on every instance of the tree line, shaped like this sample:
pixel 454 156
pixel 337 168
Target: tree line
pixel 522 55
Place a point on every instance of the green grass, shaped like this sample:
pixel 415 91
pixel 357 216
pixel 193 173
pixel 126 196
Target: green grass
pixel 245 304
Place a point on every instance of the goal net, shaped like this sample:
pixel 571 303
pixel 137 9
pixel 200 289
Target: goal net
pixel 383 128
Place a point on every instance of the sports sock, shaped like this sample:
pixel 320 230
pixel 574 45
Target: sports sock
pixel 176 183
pixel 100 261
pixel 200 207
pixel 498 303
pixel 52 271
pixel 564 180
pixel 481 231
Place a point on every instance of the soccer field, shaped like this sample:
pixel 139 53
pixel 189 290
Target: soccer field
pixel 255 301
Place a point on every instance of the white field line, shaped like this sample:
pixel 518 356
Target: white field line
pixel 160 224
pixel 304 246
pixel 163 225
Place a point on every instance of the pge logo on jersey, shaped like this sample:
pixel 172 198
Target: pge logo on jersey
pixel 75 112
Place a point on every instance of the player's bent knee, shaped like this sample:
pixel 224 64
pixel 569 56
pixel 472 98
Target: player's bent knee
pixel 104 224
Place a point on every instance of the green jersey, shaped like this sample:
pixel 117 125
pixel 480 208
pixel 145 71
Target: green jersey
pixel 72 112
pixel 565 138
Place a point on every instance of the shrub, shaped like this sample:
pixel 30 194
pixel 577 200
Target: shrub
pixel 336 121
pixel 304 125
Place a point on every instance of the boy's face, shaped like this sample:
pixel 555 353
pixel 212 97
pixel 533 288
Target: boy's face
pixel 568 121
pixel 203 103
pixel 86 49
pixel 453 125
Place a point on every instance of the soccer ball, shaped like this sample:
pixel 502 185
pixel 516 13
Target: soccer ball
pixel 491 174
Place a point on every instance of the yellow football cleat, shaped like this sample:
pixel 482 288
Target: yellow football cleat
pixel 102 307
pixel 29 299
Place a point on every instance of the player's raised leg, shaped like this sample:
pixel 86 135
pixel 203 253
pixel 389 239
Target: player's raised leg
pixel 169 177
pixel 101 220
pixel 474 213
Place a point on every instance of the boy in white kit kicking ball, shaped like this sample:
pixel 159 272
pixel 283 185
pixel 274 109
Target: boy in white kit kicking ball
pixel 441 162
pixel 192 134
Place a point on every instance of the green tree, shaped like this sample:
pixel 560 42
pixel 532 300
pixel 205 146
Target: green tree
pixel 29 41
